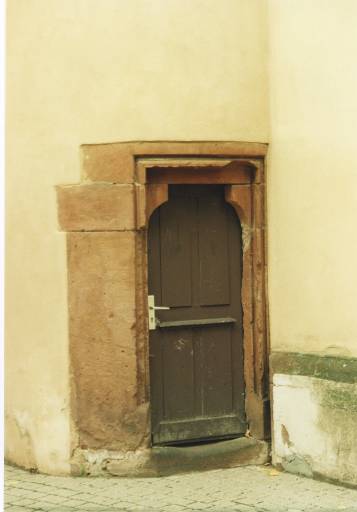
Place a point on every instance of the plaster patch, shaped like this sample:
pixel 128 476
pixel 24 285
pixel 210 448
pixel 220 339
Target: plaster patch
pixel 297 465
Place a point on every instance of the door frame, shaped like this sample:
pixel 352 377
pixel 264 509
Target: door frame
pixel 105 217
pixel 243 181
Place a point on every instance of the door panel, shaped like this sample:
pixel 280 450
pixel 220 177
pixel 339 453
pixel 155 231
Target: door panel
pixel 178 363
pixel 196 355
pixel 216 372
pixel 212 251
pixel 176 249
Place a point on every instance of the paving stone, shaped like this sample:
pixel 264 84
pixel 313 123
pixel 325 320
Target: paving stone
pixel 248 489
pixel 27 502
pixel 34 486
pixel 16 509
pixel 52 498
pixel 20 491
pixel 64 493
pixel 73 502
pixel 63 509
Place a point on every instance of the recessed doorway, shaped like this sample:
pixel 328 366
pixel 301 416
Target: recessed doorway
pixel 196 347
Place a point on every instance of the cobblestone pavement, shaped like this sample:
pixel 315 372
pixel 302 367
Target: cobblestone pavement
pixel 245 489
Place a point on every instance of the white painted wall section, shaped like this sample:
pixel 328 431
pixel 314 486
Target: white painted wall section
pixel 314 426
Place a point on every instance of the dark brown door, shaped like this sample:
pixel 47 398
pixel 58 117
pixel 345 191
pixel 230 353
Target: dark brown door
pixel 196 354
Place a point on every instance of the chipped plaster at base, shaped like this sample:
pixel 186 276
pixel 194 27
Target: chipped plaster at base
pixel 164 460
pixel 98 462
pixel 18 441
pixel 314 427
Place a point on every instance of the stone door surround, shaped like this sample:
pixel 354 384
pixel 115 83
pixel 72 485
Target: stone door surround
pixel 106 217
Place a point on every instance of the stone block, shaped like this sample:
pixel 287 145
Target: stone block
pixel 101 281
pixel 169 460
pixel 97 207
pixel 115 163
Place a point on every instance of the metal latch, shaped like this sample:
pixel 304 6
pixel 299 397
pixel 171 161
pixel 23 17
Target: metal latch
pixel 152 309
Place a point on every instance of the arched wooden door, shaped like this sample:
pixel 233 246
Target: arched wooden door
pixel 196 349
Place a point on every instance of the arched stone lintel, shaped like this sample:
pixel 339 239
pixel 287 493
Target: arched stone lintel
pixel 156 195
pixel 240 197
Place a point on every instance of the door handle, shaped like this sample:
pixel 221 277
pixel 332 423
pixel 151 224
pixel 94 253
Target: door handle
pixel 152 308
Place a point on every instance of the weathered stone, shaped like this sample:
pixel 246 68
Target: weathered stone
pixel 244 201
pixel 132 464
pixel 98 207
pixel 168 460
pixel 108 162
pixel 140 206
pixel 101 281
pixel 225 454
pixel 156 195
pixel 116 162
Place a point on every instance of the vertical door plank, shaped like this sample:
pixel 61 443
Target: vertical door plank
pixel 217 370
pixel 176 277
pixel 213 252
pixel 178 374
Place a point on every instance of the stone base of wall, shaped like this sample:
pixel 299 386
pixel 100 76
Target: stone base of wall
pixel 163 461
pixel 315 416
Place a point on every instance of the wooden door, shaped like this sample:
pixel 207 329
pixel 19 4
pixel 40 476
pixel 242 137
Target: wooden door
pixel 196 352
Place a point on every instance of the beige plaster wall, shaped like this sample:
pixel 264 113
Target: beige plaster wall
pixel 86 71
pixel 312 199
